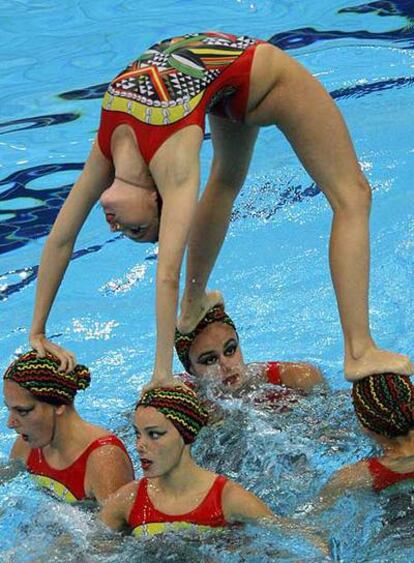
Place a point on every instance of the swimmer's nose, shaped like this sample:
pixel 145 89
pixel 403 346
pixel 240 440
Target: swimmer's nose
pixel 141 447
pixel 226 364
pixel 11 422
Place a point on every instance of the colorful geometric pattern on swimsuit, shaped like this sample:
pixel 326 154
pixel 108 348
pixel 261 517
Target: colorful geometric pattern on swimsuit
pixel 169 80
pixel 181 406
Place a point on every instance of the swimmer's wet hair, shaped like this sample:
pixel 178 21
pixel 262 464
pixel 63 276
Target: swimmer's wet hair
pixel 183 342
pixel 385 404
pixel 181 406
pixel 42 378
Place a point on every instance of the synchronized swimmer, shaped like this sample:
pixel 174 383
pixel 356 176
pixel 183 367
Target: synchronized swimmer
pixel 144 168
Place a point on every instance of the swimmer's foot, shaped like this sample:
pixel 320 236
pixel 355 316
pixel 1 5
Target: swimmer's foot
pixel 190 318
pixel 376 361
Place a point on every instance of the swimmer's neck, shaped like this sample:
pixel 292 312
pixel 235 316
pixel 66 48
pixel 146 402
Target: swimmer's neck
pixel 401 446
pixel 71 434
pixel 128 161
pixel 179 480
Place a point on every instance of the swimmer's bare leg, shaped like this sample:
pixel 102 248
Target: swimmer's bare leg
pixel 233 145
pixel 300 107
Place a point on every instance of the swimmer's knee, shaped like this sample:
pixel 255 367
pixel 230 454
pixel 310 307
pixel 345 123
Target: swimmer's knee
pixel 354 197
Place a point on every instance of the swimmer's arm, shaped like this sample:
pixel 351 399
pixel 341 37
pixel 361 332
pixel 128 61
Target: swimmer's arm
pixel 350 477
pixel 178 179
pixel 115 511
pixel 299 375
pixel 96 176
pixel 240 505
pixel 108 469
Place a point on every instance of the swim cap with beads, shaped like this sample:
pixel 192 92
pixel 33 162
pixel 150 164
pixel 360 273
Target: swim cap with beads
pixel 385 404
pixel 183 342
pixel 181 406
pixel 42 378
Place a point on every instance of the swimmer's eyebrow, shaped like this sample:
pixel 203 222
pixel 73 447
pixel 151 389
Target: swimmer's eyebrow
pixel 149 428
pixel 209 352
pixel 27 408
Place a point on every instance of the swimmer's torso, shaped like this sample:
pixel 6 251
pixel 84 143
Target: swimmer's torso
pixel 168 81
pixel 175 83
pixel 145 519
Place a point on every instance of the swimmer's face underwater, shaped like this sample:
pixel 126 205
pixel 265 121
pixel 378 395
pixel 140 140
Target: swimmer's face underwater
pixel 216 354
pixel 159 444
pixel 133 210
pixel 34 420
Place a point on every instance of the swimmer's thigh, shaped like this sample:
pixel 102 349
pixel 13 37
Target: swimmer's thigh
pixel 304 111
pixel 233 145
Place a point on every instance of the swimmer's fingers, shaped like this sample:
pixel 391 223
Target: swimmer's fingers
pixel 169 382
pixel 42 345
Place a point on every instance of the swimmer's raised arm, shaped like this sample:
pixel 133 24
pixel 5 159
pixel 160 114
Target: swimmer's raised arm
pixel 96 176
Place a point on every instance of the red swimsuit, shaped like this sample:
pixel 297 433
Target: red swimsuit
pixel 69 483
pixel 384 477
pixel 174 84
pixel 145 518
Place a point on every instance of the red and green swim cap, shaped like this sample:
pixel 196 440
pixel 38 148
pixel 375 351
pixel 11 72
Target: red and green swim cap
pixel 42 378
pixel 181 406
pixel 183 342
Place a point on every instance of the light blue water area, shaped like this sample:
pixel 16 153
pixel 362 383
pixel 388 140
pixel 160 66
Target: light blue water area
pixel 273 269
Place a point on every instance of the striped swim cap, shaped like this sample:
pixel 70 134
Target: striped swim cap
pixel 42 378
pixel 181 406
pixel 183 342
pixel 385 404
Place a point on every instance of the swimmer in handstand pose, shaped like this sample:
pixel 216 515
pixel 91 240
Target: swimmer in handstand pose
pixel 147 157
pixel 212 350
pixel 71 458
pixel 384 405
pixel 175 492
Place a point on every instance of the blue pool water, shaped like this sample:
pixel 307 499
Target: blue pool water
pixel 55 59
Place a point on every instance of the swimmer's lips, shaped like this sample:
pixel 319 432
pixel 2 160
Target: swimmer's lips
pixel 145 463
pixel 231 380
pixel 110 217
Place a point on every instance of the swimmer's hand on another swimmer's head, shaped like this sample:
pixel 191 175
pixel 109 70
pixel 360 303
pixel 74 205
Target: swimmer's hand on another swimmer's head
pixel 41 345
pixel 164 382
